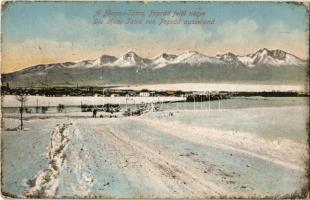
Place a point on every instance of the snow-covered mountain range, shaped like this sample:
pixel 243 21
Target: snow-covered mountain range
pixel 192 58
pixel 190 65
pixel 263 57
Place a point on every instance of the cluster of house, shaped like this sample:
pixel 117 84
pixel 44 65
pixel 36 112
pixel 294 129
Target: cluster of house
pixel 99 91
pixel 142 93
pixel 87 91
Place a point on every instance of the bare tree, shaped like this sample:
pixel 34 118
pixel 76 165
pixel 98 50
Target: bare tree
pixel 22 99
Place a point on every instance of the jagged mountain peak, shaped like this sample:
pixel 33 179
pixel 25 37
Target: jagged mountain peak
pixel 162 60
pixel 165 56
pixel 277 53
pixel 103 60
pixel 130 55
pixel 276 57
pixel 262 50
pixel 229 58
pixel 131 59
pixel 189 54
pixel 226 55
pixel 195 58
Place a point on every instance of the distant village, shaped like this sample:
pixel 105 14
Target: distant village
pixel 110 92
pixel 114 92
pixel 99 91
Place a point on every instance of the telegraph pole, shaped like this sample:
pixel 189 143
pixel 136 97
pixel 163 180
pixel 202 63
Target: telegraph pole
pixel 194 103
pixel 209 101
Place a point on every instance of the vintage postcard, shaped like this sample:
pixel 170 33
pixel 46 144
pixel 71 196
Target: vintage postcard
pixel 154 99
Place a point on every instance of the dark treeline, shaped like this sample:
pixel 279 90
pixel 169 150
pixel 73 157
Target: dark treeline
pixel 273 94
pixel 206 97
pixel 107 91
pixel 51 91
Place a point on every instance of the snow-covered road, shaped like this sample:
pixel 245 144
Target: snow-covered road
pixel 147 156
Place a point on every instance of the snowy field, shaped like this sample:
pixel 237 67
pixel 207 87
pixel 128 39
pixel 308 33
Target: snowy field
pixel 217 87
pixel 243 149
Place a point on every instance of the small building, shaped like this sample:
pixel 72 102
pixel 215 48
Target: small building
pixel 144 94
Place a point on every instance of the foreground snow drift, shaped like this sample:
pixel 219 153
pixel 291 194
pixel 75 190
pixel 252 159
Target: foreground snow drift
pixel 45 183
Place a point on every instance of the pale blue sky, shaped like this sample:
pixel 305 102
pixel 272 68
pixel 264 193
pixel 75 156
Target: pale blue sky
pixel 59 31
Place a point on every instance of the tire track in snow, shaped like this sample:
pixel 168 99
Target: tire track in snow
pixel 175 174
pixel 45 183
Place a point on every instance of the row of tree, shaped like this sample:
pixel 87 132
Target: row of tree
pixel 21 98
